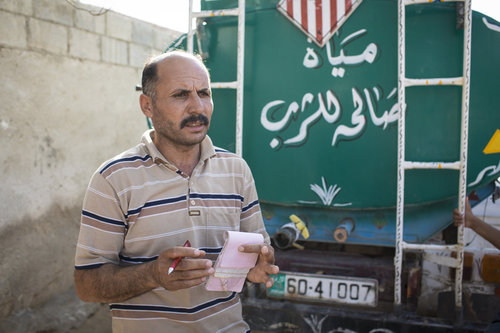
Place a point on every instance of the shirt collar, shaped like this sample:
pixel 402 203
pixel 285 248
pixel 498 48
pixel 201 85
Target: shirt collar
pixel 207 148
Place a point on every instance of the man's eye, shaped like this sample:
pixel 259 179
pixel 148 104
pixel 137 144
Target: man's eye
pixel 181 94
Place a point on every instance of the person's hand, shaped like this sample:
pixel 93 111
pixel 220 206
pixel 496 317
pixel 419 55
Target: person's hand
pixel 191 271
pixel 469 217
pixel 265 264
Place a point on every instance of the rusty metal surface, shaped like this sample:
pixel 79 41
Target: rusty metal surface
pixel 264 315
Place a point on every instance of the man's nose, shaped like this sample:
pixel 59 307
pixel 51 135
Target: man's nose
pixel 195 104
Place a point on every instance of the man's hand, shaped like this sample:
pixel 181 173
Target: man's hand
pixel 111 283
pixel 191 270
pixel 468 216
pixel 265 264
pixel 469 220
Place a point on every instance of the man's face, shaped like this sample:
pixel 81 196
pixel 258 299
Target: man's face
pixel 183 106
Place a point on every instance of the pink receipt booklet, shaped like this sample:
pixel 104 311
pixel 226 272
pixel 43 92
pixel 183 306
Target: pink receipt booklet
pixel 232 266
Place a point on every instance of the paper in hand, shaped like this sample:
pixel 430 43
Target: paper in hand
pixel 232 266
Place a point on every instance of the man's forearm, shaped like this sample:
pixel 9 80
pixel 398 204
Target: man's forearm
pixel 112 283
pixel 487 231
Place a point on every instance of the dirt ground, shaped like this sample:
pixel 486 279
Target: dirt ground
pixel 100 322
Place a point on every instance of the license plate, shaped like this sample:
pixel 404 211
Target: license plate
pixel 312 287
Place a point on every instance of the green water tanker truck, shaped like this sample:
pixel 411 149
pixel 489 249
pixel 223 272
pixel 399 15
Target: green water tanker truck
pixel 365 124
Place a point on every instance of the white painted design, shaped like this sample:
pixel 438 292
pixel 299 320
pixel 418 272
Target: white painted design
pixel 491 26
pixel 330 109
pixel 488 171
pixel 315 323
pixel 357 119
pixel 387 117
pixel 326 194
pixel 313 60
pixel 366 101
pixel 368 55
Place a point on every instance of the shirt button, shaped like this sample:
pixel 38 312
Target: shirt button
pixel 193 202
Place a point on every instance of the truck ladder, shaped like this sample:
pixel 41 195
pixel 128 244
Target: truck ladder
pixel 403 165
pixel 238 84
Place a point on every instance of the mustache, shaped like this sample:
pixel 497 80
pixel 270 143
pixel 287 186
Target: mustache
pixel 194 118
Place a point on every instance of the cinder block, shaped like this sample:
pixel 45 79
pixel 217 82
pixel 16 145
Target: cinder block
pixel 58 11
pixel 85 45
pixel 13 30
pixel 139 54
pixel 86 21
pixel 47 36
pixel 114 51
pixel 118 26
pixel 24 7
pixel 142 33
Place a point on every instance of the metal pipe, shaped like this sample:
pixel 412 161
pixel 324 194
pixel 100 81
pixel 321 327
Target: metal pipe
pixel 240 66
pixel 463 152
pixel 343 230
pixel 398 256
pixel 286 236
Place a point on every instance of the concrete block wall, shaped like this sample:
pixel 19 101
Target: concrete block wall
pixel 55 26
pixel 67 104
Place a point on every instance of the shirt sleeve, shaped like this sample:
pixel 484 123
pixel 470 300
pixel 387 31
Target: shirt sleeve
pixel 251 216
pixel 102 227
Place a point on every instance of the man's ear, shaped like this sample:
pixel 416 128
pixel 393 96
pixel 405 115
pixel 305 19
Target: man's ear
pixel 146 104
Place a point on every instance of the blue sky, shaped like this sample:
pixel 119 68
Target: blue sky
pixel 172 14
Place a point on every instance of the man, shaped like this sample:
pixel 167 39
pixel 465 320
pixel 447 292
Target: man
pixel 142 205
pixel 488 232
pixel 485 230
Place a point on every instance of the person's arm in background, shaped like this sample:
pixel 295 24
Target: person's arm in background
pixel 483 229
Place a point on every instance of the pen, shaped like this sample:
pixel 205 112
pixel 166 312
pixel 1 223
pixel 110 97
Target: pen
pixel 178 259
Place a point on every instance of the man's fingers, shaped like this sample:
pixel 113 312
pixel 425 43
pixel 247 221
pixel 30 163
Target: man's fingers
pixel 261 274
pixel 261 249
pixel 250 248
pixel 273 269
pixel 179 251
pixel 191 272
pixel 255 248
pixel 270 282
pixel 467 204
pixel 188 264
pixel 183 284
pixel 270 269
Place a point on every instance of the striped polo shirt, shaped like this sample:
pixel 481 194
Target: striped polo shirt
pixel 138 204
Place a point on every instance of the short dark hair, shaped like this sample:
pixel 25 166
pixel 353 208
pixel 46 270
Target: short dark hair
pixel 150 71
